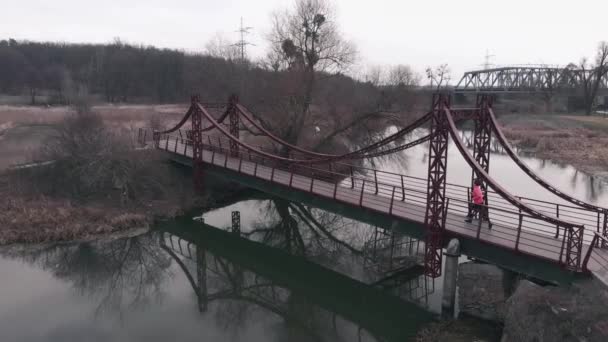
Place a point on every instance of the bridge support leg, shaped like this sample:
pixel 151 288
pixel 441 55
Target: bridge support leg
pixel 234 123
pixel 574 247
pixel 482 137
pixel 436 204
pixel 201 278
pixel 197 143
pixel 452 254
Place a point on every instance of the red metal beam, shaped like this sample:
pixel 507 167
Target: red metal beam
pixel 197 142
pixel 435 208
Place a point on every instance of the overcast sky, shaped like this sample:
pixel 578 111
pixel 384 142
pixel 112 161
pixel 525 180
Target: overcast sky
pixel 419 33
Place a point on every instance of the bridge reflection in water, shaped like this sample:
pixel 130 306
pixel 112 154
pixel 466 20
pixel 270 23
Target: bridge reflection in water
pixel 222 266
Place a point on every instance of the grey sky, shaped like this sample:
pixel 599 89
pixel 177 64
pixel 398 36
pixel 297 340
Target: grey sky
pixel 418 33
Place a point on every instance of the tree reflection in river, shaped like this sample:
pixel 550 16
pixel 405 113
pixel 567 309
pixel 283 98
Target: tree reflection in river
pixel 126 277
pixel 363 251
pixel 121 274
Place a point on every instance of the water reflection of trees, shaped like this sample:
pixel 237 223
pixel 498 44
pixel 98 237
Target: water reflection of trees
pixel 121 274
pixel 301 230
pixel 335 241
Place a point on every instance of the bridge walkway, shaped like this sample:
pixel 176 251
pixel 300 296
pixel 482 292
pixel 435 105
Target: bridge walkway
pixel 524 241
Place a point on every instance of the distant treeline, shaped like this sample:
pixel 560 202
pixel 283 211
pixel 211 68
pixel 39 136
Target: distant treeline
pixel 119 72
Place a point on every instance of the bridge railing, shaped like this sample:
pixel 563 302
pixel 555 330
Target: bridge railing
pixel 593 220
pixel 597 254
pixel 512 228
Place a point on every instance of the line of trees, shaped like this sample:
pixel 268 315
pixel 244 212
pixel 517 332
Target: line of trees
pixel 118 72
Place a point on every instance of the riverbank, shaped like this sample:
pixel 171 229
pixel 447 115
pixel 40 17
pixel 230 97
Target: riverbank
pixel 36 219
pixel 31 217
pixel 581 141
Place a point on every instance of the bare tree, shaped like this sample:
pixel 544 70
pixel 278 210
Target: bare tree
pixel 308 40
pixel 221 47
pixel 403 75
pixel 375 75
pixel 438 77
pixel 592 75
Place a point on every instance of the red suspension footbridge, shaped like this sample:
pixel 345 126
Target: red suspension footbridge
pixel 531 236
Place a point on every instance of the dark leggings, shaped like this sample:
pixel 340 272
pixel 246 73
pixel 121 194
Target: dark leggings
pixel 478 209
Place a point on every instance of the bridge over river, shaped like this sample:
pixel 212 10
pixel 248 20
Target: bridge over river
pixel 529 78
pixel 555 242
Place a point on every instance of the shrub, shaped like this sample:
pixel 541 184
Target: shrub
pixel 91 161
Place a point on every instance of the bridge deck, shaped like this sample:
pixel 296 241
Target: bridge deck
pixel 538 244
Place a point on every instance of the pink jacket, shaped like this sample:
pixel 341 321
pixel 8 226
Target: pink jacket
pixel 477 195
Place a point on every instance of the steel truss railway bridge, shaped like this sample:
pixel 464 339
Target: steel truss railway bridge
pixel 527 79
pixel 554 241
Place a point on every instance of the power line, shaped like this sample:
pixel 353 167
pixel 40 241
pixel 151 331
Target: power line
pixel 242 43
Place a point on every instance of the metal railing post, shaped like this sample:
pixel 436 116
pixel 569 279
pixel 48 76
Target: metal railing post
pixel 352 178
pixel 589 251
pixel 272 174
pixel 557 215
pixel 604 231
pixel 402 189
pixel 167 144
pixel 376 181
pixel 390 209
pixel 362 189
pixel 335 189
pixel 240 164
pixel 445 212
pixel 521 219
pixel 312 181
pixel 561 253
pixel 255 169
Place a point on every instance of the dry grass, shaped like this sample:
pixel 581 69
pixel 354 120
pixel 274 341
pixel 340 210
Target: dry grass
pixel 117 117
pixel 24 129
pixel 28 216
pixel 41 219
pixel 577 140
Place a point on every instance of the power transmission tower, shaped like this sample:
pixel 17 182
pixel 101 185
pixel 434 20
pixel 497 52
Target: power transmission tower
pixel 487 64
pixel 242 43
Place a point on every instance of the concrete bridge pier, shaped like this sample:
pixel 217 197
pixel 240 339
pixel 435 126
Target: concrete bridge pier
pixel 449 279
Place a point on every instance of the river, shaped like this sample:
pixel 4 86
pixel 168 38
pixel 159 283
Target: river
pixel 210 285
